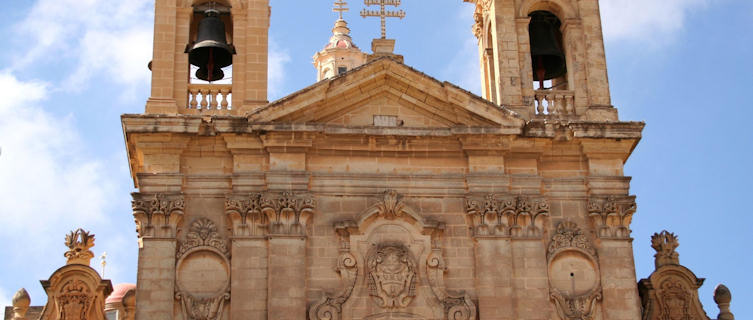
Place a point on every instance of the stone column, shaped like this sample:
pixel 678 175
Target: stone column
pixel 249 257
pixel 287 278
pixel 157 218
pixel 163 60
pixel 494 278
pixel 288 216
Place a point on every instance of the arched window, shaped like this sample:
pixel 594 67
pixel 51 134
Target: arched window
pixel 547 55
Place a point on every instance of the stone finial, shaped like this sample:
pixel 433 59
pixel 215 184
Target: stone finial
pixel 21 302
pixel 79 242
pixel 665 244
pixel 723 297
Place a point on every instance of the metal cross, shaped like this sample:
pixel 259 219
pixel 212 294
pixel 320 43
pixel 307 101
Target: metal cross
pixel 340 7
pixel 382 12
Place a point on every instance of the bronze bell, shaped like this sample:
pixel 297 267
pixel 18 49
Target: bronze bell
pixel 211 50
pixel 547 56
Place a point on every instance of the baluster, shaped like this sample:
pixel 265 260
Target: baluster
pixel 213 98
pixel 549 103
pixel 559 105
pixel 539 104
pixel 571 104
pixel 192 93
pixel 204 103
pixel 224 103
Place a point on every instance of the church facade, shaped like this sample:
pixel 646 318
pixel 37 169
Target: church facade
pixel 380 192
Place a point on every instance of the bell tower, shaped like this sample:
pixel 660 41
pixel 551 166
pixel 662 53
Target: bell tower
pixel 544 58
pixel 199 42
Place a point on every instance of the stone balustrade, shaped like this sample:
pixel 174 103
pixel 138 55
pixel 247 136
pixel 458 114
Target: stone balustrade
pixel 554 102
pixel 209 98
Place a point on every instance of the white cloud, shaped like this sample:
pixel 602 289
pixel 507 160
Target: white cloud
pixel 109 37
pixel 47 182
pixel 645 20
pixel 278 57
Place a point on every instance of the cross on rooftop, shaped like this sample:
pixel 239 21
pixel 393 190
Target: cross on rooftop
pixel 340 7
pixel 383 13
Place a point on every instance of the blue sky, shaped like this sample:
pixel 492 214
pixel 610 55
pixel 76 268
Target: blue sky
pixel 71 67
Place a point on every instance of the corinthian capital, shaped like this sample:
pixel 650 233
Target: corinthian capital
pixel 157 215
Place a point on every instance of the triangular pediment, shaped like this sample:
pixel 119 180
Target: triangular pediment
pixel 382 92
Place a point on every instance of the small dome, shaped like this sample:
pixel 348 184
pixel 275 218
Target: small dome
pixel 340 37
pixel 119 291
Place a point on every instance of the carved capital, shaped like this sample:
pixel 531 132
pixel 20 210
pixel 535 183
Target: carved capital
pixel 245 217
pixel 79 242
pixel 612 216
pixel 665 244
pixel 513 216
pixel 157 215
pixel 288 214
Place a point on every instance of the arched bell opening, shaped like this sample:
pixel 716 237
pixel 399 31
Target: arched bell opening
pixel 210 49
pixel 548 57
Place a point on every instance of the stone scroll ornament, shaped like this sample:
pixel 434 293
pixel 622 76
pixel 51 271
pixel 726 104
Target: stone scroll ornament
pixel 457 306
pixel 330 308
pixel 391 276
pixel 203 250
pixel 575 285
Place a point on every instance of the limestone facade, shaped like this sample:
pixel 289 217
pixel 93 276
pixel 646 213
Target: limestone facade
pixel 383 193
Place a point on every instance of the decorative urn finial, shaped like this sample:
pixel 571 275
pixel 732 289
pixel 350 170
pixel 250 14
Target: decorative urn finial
pixel 21 302
pixel 723 297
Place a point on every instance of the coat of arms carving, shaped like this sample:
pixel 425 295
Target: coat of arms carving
pixel 391 276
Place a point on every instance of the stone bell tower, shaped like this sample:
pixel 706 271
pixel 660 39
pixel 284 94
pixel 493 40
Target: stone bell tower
pixel 183 24
pixel 514 34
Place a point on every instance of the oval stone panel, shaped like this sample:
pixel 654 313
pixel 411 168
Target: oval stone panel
pixel 203 273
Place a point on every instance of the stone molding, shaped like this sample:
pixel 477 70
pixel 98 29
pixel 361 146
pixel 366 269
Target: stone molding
pixel 157 215
pixel 506 216
pixel 574 305
pixel 612 216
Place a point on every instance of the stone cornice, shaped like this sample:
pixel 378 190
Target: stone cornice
pixel 190 124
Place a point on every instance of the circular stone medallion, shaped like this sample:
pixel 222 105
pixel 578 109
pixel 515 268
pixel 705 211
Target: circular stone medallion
pixel 203 273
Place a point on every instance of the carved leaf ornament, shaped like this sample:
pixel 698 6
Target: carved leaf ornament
pixel 510 216
pixel 203 232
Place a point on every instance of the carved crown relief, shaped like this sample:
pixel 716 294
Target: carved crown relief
pixel 202 272
pixel 157 215
pixel 391 276
pixel 665 244
pixel 612 216
pixel 574 281
pixel 518 217
pixel 79 242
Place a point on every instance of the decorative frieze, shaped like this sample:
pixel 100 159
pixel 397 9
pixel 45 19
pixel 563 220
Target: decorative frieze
pixel 517 217
pixel 157 215
pixel 612 216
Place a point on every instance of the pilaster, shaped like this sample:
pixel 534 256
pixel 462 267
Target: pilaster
pixel 162 99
